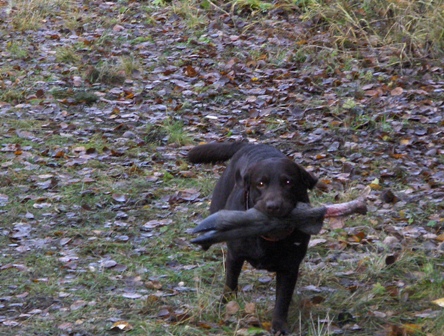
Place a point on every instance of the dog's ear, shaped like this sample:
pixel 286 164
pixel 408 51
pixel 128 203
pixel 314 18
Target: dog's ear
pixel 242 181
pixel 308 179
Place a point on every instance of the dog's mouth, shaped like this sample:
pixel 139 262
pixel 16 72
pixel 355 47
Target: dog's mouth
pixel 278 235
pixel 279 214
pixel 275 209
pixel 282 211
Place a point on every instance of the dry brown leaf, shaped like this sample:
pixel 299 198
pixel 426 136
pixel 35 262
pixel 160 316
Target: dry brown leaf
pixel 118 28
pixel 154 284
pixel 148 226
pixel 439 302
pixel 266 325
pixel 121 326
pixel 397 91
pixel 204 325
pixel 357 237
pixel 440 237
pixel 336 222
pixel 250 308
pixel 232 308
pixel 412 329
pixel 373 93
pixel 190 71
pixel 65 326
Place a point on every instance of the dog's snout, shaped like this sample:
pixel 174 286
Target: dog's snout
pixel 273 206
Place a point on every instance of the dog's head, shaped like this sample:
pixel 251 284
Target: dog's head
pixel 274 186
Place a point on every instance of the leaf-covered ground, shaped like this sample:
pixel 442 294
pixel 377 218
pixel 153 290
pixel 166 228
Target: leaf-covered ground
pixel 99 103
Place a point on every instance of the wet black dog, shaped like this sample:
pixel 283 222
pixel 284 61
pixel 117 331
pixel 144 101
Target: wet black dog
pixel 262 177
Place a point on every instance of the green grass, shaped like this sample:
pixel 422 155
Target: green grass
pixel 191 11
pixel 12 96
pixel 106 72
pixel 176 132
pixel 67 54
pixel 130 65
pixel 17 50
pixel 29 14
pixel 403 25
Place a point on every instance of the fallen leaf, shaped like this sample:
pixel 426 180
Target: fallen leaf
pixel 121 326
pixel 40 93
pixel 19 267
pixel 120 268
pixel 232 308
pixel 163 313
pixel 266 325
pixel 132 295
pixel 10 323
pixel 118 28
pixel 65 241
pixel 439 302
pixel 154 284
pixel 397 91
pixel 77 81
pixel 204 325
pixel 379 314
pixel 23 295
pixel 336 222
pixel 21 230
pixel 4 199
pixel 317 241
pixel 357 237
pixel 311 288
pixel 25 135
pixel 78 304
pixel 412 329
pixel 108 263
pixel 148 226
pixel 190 71
pixel 250 308
pixel 405 141
pixel 390 259
pixel 119 198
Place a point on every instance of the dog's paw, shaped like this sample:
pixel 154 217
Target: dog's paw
pixel 280 328
pixel 228 295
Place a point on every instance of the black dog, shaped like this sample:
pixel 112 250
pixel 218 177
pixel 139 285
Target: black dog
pixel 262 177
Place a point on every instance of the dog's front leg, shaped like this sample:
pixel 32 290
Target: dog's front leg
pixel 285 284
pixel 233 268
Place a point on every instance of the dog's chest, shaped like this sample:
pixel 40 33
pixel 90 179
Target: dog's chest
pixel 268 255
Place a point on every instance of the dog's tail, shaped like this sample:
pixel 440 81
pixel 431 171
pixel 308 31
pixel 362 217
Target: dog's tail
pixel 214 152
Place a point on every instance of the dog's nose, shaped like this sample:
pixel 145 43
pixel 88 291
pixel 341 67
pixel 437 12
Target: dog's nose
pixel 273 206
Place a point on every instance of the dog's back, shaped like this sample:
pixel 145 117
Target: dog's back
pixel 215 152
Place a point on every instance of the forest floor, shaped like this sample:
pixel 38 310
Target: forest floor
pixel 100 102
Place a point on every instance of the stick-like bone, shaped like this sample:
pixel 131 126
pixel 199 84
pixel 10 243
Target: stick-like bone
pixel 345 209
pixel 226 225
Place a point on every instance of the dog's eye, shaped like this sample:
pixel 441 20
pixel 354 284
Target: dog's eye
pixel 288 182
pixel 261 184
